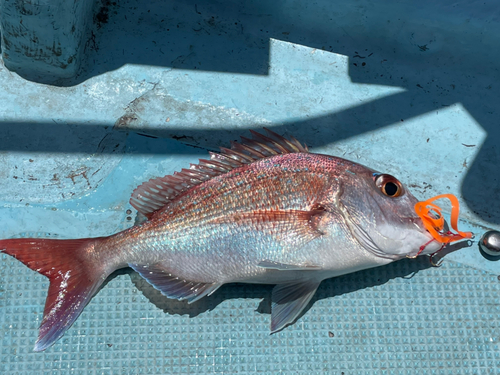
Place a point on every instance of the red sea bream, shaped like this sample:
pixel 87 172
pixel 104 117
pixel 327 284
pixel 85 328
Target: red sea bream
pixel 265 211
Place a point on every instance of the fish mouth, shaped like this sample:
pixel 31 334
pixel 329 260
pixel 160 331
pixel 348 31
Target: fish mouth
pixel 419 224
pixel 434 222
pixel 425 250
pixel 430 245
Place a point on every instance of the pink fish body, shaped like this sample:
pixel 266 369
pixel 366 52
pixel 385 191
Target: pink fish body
pixel 266 211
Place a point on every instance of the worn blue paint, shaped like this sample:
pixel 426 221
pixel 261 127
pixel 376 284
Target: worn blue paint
pixel 409 89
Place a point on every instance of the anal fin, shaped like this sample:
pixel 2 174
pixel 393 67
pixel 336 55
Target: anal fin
pixel 174 287
pixel 288 300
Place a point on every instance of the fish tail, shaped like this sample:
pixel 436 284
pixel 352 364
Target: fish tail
pixel 74 273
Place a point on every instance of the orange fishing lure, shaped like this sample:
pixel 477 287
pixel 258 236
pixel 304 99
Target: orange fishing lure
pixel 434 221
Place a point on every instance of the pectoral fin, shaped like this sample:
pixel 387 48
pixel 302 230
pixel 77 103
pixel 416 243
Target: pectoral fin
pixel 288 300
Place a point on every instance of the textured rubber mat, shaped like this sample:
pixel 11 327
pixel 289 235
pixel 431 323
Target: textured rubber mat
pixel 404 318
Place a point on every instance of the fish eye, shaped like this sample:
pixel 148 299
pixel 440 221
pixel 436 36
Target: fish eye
pixel 389 185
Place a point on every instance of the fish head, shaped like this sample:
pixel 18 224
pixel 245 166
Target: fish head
pixel 380 213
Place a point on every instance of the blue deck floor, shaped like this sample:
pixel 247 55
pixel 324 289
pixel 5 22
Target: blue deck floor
pixel 412 90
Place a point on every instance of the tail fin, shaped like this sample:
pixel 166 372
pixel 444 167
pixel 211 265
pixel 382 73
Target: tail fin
pixel 74 279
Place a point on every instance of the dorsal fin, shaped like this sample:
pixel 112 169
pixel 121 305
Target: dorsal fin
pixel 156 193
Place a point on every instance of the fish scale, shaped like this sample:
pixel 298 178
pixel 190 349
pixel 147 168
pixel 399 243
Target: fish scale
pixel 254 188
pixel 265 211
pixel 223 201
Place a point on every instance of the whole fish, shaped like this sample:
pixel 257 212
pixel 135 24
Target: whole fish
pixel 265 211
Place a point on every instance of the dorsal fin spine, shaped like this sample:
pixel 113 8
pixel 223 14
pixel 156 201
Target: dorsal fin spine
pixel 212 165
pixel 226 160
pixel 293 144
pixel 260 137
pixel 193 174
pixel 151 199
pixel 157 193
pixel 297 146
pixel 233 157
pixel 259 147
pixel 246 152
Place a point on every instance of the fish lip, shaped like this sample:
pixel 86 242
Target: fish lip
pixel 416 221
